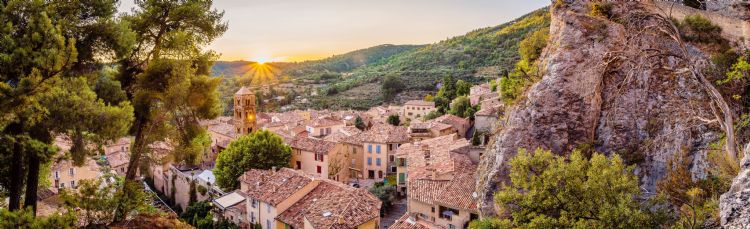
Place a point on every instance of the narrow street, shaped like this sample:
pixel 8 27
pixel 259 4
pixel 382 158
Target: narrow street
pixel 394 213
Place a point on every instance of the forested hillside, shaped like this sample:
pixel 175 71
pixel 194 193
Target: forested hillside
pixel 353 80
pixel 487 52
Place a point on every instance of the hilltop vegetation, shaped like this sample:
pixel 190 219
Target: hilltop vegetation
pixel 488 52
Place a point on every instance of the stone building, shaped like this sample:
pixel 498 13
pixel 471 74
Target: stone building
pixel 244 111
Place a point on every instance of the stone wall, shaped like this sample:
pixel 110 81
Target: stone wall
pixel 733 28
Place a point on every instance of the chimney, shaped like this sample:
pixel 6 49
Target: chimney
pixel 341 220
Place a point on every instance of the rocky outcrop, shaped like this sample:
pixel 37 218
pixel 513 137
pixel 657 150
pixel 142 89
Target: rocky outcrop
pixel 735 204
pixel 620 85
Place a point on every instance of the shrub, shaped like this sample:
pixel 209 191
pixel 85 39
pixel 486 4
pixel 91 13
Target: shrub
pixel 392 85
pixel 550 191
pixel 394 120
pixel 696 28
pixel 601 10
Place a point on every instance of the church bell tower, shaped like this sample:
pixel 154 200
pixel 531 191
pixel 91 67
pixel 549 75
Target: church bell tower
pixel 244 111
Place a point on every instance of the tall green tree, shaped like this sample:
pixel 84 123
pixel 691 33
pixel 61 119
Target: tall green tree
pixel 259 150
pixel 359 123
pixel 166 63
pixel 392 85
pixel 44 42
pixel 550 191
pixel 447 88
pixel 394 120
pixel 462 88
pixel 49 44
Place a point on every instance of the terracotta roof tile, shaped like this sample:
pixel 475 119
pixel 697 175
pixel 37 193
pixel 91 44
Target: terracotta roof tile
pixel 324 122
pixel 385 133
pixel 333 205
pixel 311 144
pixel 273 187
pixel 410 223
pixel 440 171
pixel 452 120
pixel 419 103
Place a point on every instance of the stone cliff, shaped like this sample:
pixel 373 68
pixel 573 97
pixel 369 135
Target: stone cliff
pixel 734 204
pixel 620 84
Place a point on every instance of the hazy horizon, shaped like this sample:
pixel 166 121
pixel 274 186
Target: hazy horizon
pixel 299 30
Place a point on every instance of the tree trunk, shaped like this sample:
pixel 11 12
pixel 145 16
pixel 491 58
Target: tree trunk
pixel 32 180
pixel 136 152
pixel 16 179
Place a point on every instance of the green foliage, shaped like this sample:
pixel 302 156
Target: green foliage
pixel 696 28
pixel 394 120
pixel 432 115
pixel 531 47
pixel 601 10
pixel 392 85
pixel 259 150
pixel 462 88
pixel 429 98
pixel 75 110
pixel 196 211
pixel 359 123
pixel 98 199
pixel 131 199
pixel 165 74
pixel 550 191
pixel 738 71
pixel 475 138
pixel 460 57
pixel 447 88
pixel 202 190
pixel 95 197
pixel 461 107
pixel 385 192
pixel 695 202
pixel 488 223
pixel 525 73
pixel 25 218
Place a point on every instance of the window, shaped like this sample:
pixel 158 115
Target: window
pixel 369 161
pixel 57 174
pixel 252 217
pixel 354 162
pixel 268 224
pixel 391 158
pixel 299 165
pixel 369 148
pixel 377 149
pixel 268 208
pixel 62 185
pixel 380 174
pixel 71 172
pixel 393 169
pixel 402 180
pixel 253 203
pixel 319 169
pixel 377 161
pixel 72 184
pixel 319 157
pixel 450 226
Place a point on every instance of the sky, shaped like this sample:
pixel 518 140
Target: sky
pixel 297 30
